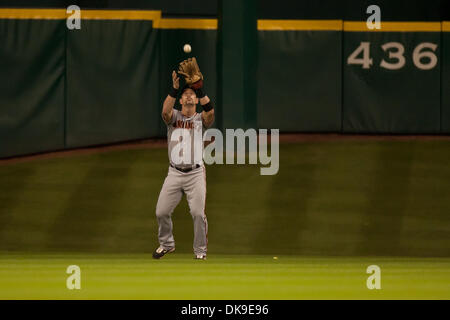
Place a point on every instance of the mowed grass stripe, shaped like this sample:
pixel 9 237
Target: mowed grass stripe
pixel 336 279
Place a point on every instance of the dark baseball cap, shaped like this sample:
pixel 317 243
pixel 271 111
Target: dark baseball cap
pixel 185 87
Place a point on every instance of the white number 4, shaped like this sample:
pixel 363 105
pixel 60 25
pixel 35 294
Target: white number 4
pixel 366 61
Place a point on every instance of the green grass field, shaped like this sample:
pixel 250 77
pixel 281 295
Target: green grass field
pixel 331 204
pixel 178 276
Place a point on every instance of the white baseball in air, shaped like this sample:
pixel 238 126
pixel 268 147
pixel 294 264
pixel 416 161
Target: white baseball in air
pixel 187 48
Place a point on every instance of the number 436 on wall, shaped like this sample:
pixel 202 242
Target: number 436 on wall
pixel 423 56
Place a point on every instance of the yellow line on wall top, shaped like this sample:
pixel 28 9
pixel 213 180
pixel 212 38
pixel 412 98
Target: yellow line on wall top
pixel 388 26
pixel 120 15
pixel 146 15
pixel 446 26
pixel 61 14
pixel 351 26
pixel 285 25
pixel 210 24
pixel 51 14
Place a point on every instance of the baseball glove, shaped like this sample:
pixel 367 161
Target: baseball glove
pixel 191 72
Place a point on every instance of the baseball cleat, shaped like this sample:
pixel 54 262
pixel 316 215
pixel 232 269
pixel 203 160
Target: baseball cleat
pixel 160 252
pixel 200 257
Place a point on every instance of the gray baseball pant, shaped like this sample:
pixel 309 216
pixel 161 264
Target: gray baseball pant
pixel 193 184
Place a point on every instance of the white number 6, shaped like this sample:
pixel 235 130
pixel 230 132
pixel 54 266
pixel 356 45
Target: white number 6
pixel 417 56
pixel 394 55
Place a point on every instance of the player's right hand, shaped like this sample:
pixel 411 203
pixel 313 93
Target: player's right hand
pixel 175 80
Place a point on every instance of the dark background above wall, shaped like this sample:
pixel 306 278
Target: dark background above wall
pixel 195 8
pixel 392 10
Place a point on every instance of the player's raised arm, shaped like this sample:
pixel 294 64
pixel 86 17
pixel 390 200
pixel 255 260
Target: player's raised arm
pixel 208 108
pixel 194 78
pixel 169 102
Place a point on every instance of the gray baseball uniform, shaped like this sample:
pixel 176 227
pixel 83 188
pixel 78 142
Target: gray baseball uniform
pixel 177 182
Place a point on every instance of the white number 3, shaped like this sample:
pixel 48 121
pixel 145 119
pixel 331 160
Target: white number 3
pixel 394 55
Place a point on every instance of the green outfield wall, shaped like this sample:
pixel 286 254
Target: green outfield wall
pixel 104 83
pixel 299 80
pixel 305 71
pixel 392 94
pixel 32 86
pixel 112 82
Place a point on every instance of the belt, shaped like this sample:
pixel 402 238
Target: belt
pixel 185 170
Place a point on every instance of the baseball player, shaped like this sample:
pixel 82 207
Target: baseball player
pixel 186 177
